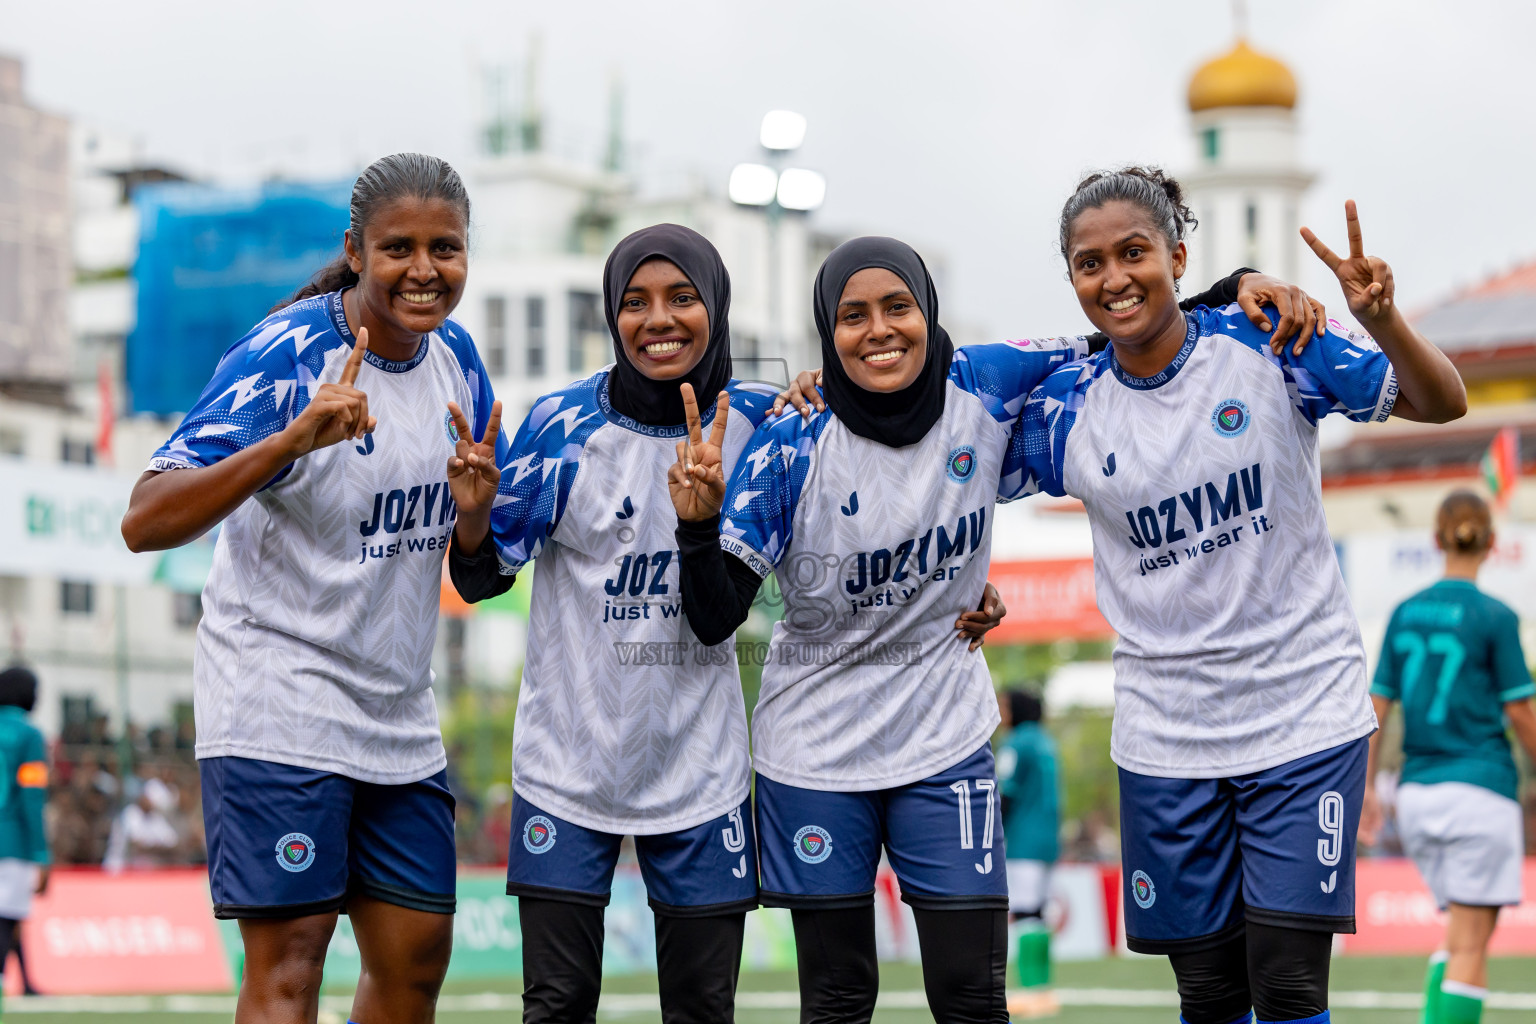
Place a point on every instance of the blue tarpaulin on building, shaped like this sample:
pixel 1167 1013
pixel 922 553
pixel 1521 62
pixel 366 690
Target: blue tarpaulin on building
pixel 211 262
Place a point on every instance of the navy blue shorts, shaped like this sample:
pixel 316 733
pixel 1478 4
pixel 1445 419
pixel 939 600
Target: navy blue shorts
pixel 943 834
pixel 285 841
pixel 704 871
pixel 1203 856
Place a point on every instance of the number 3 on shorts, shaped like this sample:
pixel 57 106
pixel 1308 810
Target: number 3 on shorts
pixel 735 837
pixel 1330 818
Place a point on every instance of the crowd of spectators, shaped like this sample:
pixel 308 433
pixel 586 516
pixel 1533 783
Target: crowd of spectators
pixel 151 816
pixel 148 816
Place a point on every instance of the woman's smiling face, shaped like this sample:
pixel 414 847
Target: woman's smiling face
pixel 880 334
pixel 411 265
pixel 663 323
pixel 1124 271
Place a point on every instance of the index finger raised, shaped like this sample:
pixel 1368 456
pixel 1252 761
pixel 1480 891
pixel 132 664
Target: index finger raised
pixel 1324 253
pixel 717 429
pixel 691 412
pixel 355 360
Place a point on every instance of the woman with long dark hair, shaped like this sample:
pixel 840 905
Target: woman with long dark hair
pixel 333 442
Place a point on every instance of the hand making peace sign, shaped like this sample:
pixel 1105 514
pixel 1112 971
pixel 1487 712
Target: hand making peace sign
pixel 697 479
pixel 1366 280
pixel 473 475
pixel 337 412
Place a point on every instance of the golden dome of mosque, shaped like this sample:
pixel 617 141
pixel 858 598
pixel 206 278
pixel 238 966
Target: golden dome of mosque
pixel 1242 77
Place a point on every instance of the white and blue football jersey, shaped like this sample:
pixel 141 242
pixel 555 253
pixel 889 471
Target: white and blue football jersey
pixel 625 722
pixel 320 612
pixel 878 551
pixel 1238 647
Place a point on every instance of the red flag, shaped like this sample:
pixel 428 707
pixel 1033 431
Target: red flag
pixel 105 415
pixel 1501 465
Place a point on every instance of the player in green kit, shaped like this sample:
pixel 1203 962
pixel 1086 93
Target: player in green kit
pixel 1027 781
pixel 1452 655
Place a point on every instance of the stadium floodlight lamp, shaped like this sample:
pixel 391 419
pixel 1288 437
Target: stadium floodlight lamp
pixel 782 130
pixel 800 189
pixel 753 184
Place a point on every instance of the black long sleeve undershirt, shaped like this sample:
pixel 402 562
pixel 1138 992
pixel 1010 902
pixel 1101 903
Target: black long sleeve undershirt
pixel 477 576
pixel 718 589
pixel 1222 293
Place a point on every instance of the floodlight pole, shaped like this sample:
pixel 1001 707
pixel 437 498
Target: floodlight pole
pixel 775 213
pixel 775 142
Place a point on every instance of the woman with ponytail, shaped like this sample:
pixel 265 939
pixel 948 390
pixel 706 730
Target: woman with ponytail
pixel 334 442
pixel 1241 714
pixel 1452 656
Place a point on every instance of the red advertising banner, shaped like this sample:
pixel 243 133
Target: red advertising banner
pixel 148 932
pixel 1048 599
pixel 1395 913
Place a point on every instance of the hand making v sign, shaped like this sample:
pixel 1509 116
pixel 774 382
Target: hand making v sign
pixel 1366 280
pixel 697 479
pixel 473 475
pixel 1430 389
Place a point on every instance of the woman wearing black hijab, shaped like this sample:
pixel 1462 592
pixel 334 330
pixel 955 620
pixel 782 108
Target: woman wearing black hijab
pixel 624 726
pixel 872 728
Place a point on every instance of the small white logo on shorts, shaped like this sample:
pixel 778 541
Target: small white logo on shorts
pixel 1142 889
pixel 295 851
pixel 539 834
pixel 812 844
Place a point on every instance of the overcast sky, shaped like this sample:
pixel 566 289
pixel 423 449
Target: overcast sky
pixel 959 126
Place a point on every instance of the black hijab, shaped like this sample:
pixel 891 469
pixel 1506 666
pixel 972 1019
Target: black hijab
pixel 660 403
pixel 896 418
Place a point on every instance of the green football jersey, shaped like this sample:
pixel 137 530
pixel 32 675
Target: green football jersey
pixel 1026 777
pixel 1452 655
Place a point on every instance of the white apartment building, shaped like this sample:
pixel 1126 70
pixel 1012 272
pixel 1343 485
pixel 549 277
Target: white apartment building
pixel 74 603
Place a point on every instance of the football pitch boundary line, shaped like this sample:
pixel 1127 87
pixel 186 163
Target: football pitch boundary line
pixel 646 1002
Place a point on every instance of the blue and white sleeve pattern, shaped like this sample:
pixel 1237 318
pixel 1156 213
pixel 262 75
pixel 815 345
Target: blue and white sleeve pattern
pixel 261 384
pixel 752 400
pixel 1340 372
pixel 1004 373
pixel 539 471
pixel 1037 446
pixel 758 515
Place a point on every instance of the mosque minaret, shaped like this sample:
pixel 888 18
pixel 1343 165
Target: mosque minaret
pixel 1247 184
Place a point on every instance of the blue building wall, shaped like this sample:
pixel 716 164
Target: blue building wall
pixel 211 262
